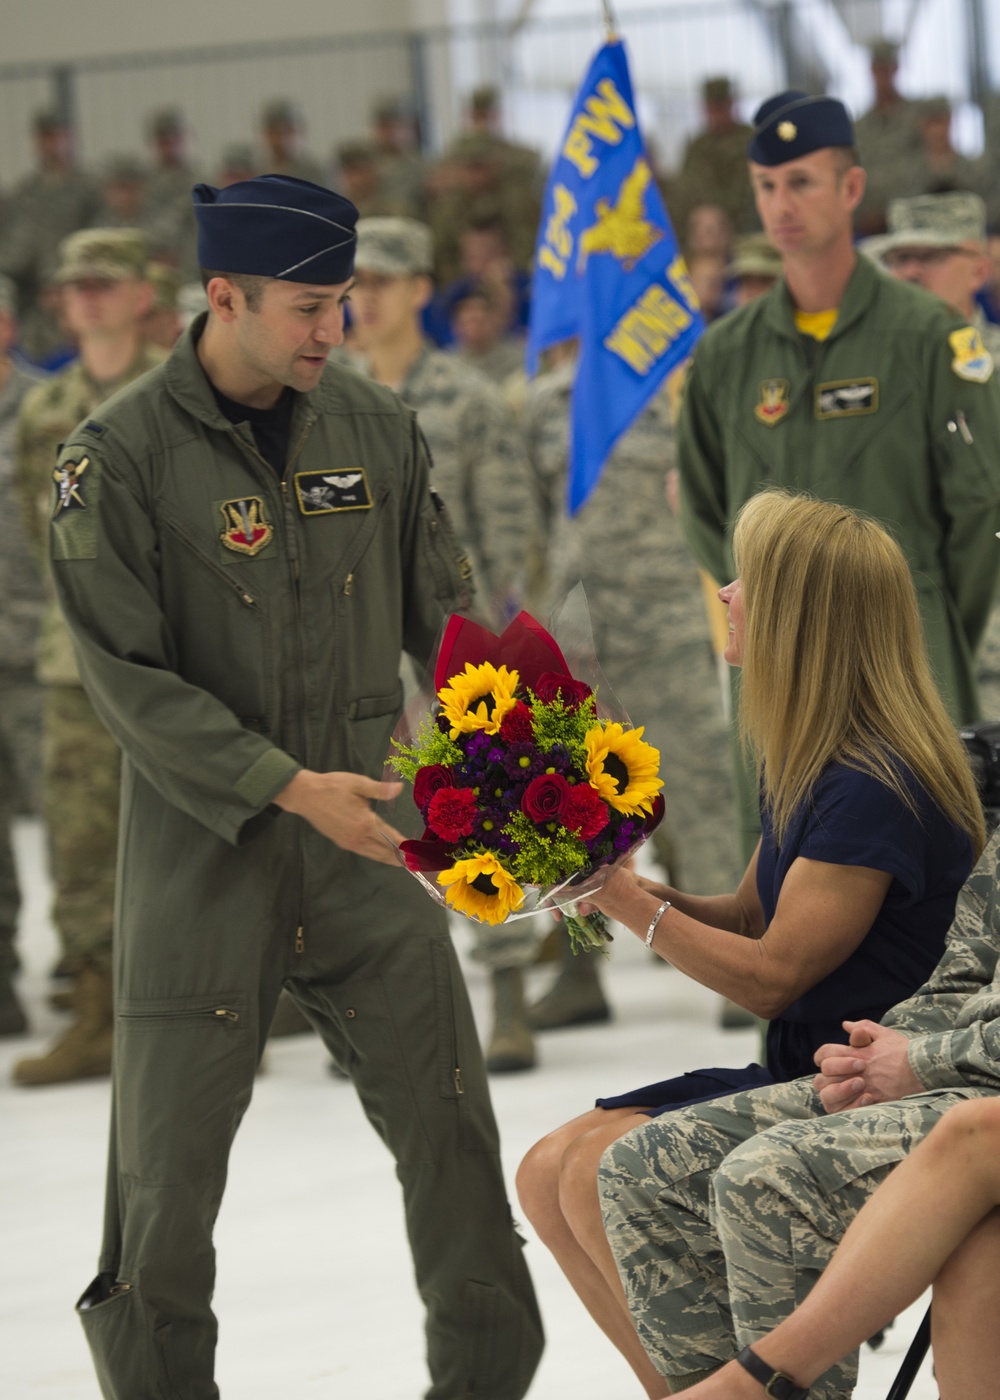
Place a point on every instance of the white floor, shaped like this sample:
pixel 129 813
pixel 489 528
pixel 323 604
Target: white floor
pixel 315 1294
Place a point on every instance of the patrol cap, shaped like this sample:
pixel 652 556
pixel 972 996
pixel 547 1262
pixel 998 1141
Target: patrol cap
pixel 953 220
pixel 280 112
pixel 795 124
pixel 390 108
pixel 276 226
pixel 885 54
pixel 238 156
pixel 352 153
pixel 939 106
pixel 47 120
pixel 754 255
pixel 484 98
pixel 123 169
pixel 394 247
pixel 717 90
pixel 166 286
pixel 168 121
pixel 111 254
pixel 8 296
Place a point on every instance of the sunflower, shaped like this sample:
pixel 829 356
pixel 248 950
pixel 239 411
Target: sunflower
pixel 478 698
pixel 481 888
pixel 623 768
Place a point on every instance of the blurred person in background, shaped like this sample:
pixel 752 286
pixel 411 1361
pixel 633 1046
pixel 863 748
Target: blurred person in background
pixel 359 180
pixel 236 163
pixel 42 210
pixel 473 186
pixel 708 277
pixel 163 323
pixel 172 173
pixel 400 166
pixel 520 165
pixel 481 472
pixel 833 366
pixel 714 168
pixel 755 267
pixel 22 598
pixel 282 134
pixel 941 167
pixel 480 335
pixel 123 192
pixel 888 141
pixel 106 297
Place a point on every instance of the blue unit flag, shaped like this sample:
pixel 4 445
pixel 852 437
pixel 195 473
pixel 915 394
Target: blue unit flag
pixel 608 271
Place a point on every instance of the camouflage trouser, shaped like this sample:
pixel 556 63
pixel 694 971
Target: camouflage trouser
pixel 20 788
pixel 80 795
pixel 723 1216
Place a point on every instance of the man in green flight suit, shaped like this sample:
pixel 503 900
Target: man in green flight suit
pixel 243 542
pixel 852 386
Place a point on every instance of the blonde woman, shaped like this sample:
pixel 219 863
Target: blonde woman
pixel 870 826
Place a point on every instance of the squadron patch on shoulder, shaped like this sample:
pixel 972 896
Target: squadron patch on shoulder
pixel 846 398
pixel 68 477
pixel 324 493
pixel 972 359
pixel 246 529
pixel 774 403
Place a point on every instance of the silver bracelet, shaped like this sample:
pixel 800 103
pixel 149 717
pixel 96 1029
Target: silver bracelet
pixel 655 920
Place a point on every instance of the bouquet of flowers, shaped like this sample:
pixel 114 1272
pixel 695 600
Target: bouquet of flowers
pixel 530 786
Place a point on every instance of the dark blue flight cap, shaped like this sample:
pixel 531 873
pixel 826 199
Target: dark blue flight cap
pixel 276 226
pixel 794 124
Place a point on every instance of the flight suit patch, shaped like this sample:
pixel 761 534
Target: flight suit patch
pixel 246 531
pixel 774 403
pixel 325 493
pixel 846 398
pixel 972 359
pixel 68 477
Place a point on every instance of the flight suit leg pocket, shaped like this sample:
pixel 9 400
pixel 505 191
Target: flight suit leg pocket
pixel 119 1336
pixel 188 1068
pixel 461 1074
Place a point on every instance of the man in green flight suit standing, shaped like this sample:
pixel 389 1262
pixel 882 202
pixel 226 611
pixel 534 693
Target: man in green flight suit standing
pixel 854 387
pixel 243 542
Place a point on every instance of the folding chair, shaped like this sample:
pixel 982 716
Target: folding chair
pixel 912 1361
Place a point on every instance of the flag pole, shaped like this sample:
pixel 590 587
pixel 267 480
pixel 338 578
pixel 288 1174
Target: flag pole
pixel 609 20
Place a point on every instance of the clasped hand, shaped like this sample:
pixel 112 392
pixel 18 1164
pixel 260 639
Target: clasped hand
pixel 872 1068
pixel 337 805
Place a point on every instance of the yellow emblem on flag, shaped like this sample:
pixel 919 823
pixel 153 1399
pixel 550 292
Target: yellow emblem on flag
pixel 773 402
pixel 622 229
pixel 972 359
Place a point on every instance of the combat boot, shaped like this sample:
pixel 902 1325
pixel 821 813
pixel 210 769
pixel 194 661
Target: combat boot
pixel 84 1052
pixel 12 1018
pixel 512 1046
pixel 575 997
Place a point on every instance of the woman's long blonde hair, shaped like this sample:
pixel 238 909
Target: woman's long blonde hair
pixel 835 667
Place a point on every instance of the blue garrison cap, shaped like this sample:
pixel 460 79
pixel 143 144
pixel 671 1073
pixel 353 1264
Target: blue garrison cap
pixel 276 226
pixel 795 124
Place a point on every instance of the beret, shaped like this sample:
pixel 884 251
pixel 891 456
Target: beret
pixel 276 226
pixel 794 124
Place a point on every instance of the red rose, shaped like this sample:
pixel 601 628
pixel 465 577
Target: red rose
pixel 451 812
pixel 545 797
pixel 551 686
pixel 515 727
pixel 585 812
pixel 428 781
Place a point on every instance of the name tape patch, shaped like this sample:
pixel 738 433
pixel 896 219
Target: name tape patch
pixel 846 398
pixel 325 493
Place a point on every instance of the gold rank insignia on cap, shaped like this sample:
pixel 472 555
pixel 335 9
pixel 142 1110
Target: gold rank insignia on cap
pixel 972 359
pixel 787 131
pixel 773 402
pixel 68 493
pixel 246 532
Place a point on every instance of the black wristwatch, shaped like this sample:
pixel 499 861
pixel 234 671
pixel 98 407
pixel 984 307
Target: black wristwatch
pixel 775 1383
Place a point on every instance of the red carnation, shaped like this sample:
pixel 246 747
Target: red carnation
pixel 552 686
pixel 430 780
pixel 515 727
pixel 585 812
pixel 545 797
pixel 451 812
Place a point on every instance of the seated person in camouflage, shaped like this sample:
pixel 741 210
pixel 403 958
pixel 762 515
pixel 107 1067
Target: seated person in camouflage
pixel 866 842
pixel 951 1185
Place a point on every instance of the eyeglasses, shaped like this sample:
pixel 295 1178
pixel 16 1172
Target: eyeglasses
pixel 924 257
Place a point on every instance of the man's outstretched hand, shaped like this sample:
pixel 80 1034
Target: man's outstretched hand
pixel 872 1068
pixel 337 805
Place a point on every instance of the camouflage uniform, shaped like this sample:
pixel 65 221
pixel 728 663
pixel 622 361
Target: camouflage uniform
pixel 21 600
pixel 498 363
pixel 81 761
pixel 721 1217
pixel 888 144
pixel 651 632
pixel 43 210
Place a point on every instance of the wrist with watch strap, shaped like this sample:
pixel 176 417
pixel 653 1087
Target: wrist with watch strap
pixel 776 1383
